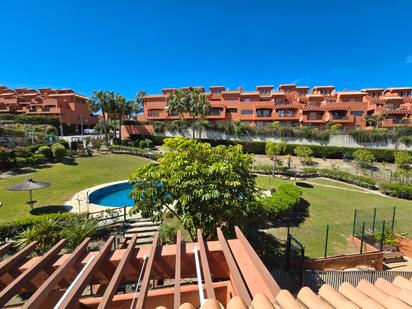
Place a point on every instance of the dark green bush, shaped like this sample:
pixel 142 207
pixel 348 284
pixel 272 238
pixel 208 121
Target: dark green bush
pixel 284 199
pixel 31 119
pixel 20 162
pixel 37 159
pixel 59 152
pixel 135 151
pixel 22 152
pixel 142 144
pixel 46 151
pixel 397 190
pixel 149 143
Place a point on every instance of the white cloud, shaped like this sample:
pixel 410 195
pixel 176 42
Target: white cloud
pixel 409 59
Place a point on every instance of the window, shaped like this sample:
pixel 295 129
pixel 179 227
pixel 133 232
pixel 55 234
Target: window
pixel 232 98
pixel 154 112
pixel 278 101
pixel 246 112
pixel 216 111
pixel 357 113
pixel 231 110
pixel 247 100
pixel 263 112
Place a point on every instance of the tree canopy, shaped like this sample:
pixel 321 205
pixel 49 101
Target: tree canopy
pixel 203 186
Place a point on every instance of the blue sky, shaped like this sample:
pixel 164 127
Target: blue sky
pixel 130 45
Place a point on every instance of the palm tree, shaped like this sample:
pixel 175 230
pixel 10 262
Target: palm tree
pixel 138 106
pixel 121 108
pixel 100 101
pixel 375 119
pixel 177 103
pixel 199 107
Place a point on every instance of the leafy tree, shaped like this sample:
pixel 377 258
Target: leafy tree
pixel 403 159
pixel 239 128
pixel 203 186
pixel 363 157
pixel 46 150
pixel 121 108
pixel 304 153
pixel 272 150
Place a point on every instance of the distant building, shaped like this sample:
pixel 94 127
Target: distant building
pixel 296 105
pixel 70 107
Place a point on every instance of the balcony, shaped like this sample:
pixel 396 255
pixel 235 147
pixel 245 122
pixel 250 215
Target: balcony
pixel 314 119
pixel 286 116
pixel 342 119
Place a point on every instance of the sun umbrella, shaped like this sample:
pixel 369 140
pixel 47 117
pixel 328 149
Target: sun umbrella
pixel 29 185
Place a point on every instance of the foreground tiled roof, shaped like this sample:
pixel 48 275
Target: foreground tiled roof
pixel 382 294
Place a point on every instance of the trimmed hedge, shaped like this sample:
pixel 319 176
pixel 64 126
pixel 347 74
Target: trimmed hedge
pixel 397 190
pixel 135 151
pixel 11 229
pixel 284 199
pixel 31 119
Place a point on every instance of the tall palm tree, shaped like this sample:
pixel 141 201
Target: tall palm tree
pixel 121 108
pixel 177 103
pixel 199 107
pixel 100 101
pixel 375 119
pixel 138 106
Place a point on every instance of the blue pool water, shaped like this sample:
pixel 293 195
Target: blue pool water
pixel 113 196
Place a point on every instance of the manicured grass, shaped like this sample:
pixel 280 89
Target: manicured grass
pixel 335 206
pixel 65 181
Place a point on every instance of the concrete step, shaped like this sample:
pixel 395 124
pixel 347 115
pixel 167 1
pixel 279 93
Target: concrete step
pixel 141 234
pixel 140 229
pixel 143 224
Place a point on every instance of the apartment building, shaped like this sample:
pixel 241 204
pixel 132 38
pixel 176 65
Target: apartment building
pixel 70 107
pixel 296 105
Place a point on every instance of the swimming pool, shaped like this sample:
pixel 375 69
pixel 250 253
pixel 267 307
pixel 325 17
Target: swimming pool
pixel 116 195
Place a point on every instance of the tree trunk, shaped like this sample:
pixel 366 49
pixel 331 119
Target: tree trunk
pixel 193 129
pixel 105 126
pixel 274 164
pixel 120 127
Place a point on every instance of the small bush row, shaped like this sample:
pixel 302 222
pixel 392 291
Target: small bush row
pixel 397 190
pixel 135 151
pixel 361 181
pixel 30 119
pixel 32 155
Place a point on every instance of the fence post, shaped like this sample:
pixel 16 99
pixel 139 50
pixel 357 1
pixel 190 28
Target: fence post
pixel 363 235
pixel 393 217
pixel 287 266
pixel 326 240
pixel 374 221
pixel 354 222
pixel 383 234
pixel 302 270
pixel 124 214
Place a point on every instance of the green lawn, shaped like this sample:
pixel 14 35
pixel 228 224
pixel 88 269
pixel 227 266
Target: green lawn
pixel 65 181
pixel 335 206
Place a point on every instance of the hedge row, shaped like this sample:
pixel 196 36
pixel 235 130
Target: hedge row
pixel 361 181
pixel 9 230
pixel 31 119
pixel 135 151
pixel 397 190
pixel 284 199
pixel 327 152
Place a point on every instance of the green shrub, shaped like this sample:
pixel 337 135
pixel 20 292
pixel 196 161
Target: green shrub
pixel 364 156
pixel 136 151
pixel 403 159
pixel 304 153
pixel 97 144
pixel 46 151
pixel 10 230
pixel 37 159
pixel 22 152
pixel 20 162
pixel 397 190
pixel 77 229
pixel 51 130
pixel 59 152
pixel 142 144
pixel 284 199
pixel 149 143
